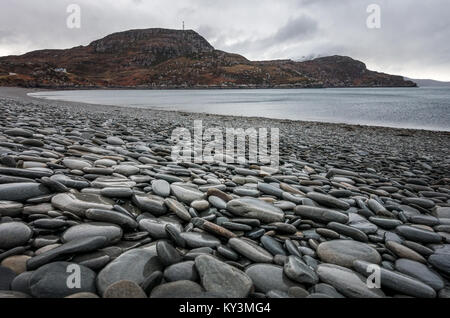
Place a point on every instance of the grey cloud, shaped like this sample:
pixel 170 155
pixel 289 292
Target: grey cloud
pixel 296 29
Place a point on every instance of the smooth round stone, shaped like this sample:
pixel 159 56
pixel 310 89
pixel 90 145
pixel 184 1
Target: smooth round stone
pixel 299 272
pixel 319 296
pixel 51 280
pixel 246 172
pixel 51 224
pixel 441 262
pixel 95 263
pixel 272 245
pixel 418 235
pixel 246 192
pixel 267 277
pixel 445 293
pixel 111 232
pixel 161 188
pixel 196 240
pixel 111 216
pixel 344 253
pixel 10 208
pixel 80 245
pixel 112 182
pixel 83 296
pixel 269 189
pixel 359 222
pixel 124 289
pixel 46 248
pixel 217 202
pixel 19 132
pixel 21 283
pixel 321 215
pixel 425 220
pixel 7 276
pixel 5 294
pixel 327 290
pixel 284 228
pixel 397 281
pixel 250 250
pixel 217 276
pixel 327 233
pixel 17 263
pixel 135 265
pixel 76 164
pixel 419 248
pixel 156 227
pixel 391 236
pixel 152 281
pixel 177 290
pixel 105 162
pixel 68 182
pixel 78 203
pixel 285 205
pixel 228 253
pixel 348 231
pixel 404 252
pixel 297 292
pixel 387 224
pixel 42 208
pixel 22 191
pixel 181 271
pixel 150 203
pixel 186 194
pixel 117 192
pixel 200 205
pixel 376 207
pixel 328 201
pixel 115 141
pixel 178 208
pixel 126 170
pixel 14 234
pixel 442 212
pixel 420 272
pixel 32 164
pixel 347 282
pixel 18 175
pixel 424 203
pixel 255 209
pixel 292 248
pixel 167 253
pixel 233 226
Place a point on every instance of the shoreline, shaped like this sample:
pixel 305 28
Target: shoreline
pixel 22 94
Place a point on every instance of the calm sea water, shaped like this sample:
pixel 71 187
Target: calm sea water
pixel 420 108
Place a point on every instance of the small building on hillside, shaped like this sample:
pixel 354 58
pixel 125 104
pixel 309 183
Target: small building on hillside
pixel 60 70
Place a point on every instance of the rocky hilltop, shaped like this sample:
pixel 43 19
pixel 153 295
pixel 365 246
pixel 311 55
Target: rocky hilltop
pixel 161 58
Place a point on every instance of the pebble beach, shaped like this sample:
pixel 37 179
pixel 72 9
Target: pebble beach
pixel 94 188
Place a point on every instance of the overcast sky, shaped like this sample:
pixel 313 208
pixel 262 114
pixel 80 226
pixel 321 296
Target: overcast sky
pixel 414 38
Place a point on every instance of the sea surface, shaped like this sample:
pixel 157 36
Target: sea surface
pixel 418 108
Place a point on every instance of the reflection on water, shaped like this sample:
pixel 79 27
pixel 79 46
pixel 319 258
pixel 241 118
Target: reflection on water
pixel 420 108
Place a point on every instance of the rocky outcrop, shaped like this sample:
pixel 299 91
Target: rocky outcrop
pixel 162 58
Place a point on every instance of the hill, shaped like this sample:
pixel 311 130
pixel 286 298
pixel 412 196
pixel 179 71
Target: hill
pixel 162 58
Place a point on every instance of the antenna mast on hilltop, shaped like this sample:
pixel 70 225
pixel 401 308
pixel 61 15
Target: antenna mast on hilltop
pixel 183 25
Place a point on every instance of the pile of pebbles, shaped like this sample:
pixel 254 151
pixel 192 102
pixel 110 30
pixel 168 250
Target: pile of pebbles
pixel 93 191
